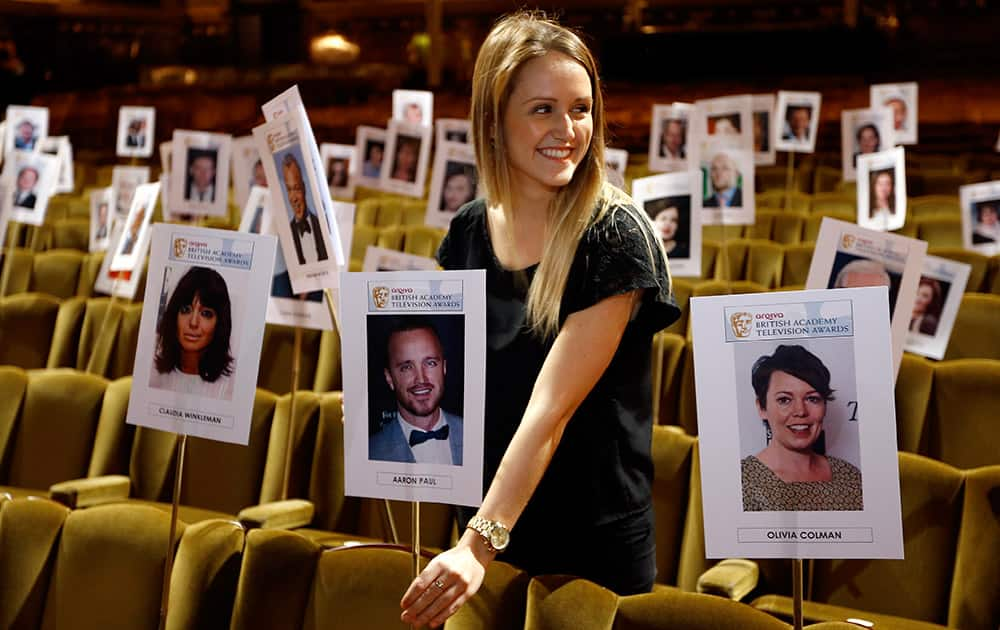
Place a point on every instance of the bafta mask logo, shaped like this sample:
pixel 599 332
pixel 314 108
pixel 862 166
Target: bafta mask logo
pixel 847 241
pixel 180 247
pixel 270 142
pixel 742 324
pixel 380 295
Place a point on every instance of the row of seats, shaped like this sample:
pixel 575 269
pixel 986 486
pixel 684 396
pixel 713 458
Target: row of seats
pixel 419 240
pixel 226 577
pixel 99 336
pixel 950 518
pixel 944 410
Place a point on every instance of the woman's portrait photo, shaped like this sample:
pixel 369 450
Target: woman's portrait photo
pixel 673 138
pixel 931 297
pixel 193 352
pixel 882 194
pixel 337 170
pixel 761 132
pixel 459 187
pixel 671 221
pixel 404 162
pixel 793 391
pixel 986 222
pixel 374 152
pixel 867 140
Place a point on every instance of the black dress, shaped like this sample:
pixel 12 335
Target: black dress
pixel 591 514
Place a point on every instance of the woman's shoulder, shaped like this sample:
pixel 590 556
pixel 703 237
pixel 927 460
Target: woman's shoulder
pixel 470 213
pixel 842 469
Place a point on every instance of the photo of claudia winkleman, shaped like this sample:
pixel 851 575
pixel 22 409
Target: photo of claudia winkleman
pixel 793 391
pixel 193 335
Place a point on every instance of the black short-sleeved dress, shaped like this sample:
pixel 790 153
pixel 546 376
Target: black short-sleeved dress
pixel 591 514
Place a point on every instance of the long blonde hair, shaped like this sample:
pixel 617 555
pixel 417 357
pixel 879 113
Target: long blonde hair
pixel 515 40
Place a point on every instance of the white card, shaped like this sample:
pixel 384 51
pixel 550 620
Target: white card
pixel 26 128
pixel 902 99
pixel 615 161
pixel 136 131
pixel 131 250
pixel 764 153
pixel 340 165
pixel 31 179
pixel 454 182
pixel 382 259
pixel 407 153
pixel 882 190
pixel 413 107
pixel 796 121
pixel 200 173
pixel 124 181
pixel 726 194
pixel 939 295
pixel 666 198
pixel 248 169
pixel 101 218
pixel 863 131
pixel 668 137
pixel 435 320
pixel 981 217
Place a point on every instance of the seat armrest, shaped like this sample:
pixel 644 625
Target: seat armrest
pixel 732 578
pixel 81 493
pixel 287 514
pixel 780 606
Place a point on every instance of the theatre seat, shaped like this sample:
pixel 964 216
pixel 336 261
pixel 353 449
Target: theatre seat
pixel 668 358
pixel 278 354
pixel 834 204
pixel 731 264
pixel 709 255
pixel 414 211
pixel 71 233
pixel 962 427
pixel 763 263
pixel 976 333
pixel 661 609
pixel 935 206
pixel 391 238
pixel 913 396
pixel 788 227
pixel 940 231
pixel 556 601
pixel 763 224
pixel 27 324
pixel 810 229
pixel 66 333
pixel 422 240
pixel 795 263
pixel 363 237
pixel 56 272
pixel 390 212
pixel 978 262
pixel 366 212
pixel 825 179
pixel 673 453
pixel 975 593
pixel 17 264
pixel 89 268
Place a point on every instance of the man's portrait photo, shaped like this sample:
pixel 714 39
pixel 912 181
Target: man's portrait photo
pixel 724 190
pixel 797 121
pixel 306 234
pixel 673 139
pixel 25 195
pixel 135 138
pixel 201 167
pixel 25 135
pixel 415 365
pixel 851 271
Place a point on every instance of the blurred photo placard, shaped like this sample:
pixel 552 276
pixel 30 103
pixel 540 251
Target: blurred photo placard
pixel 848 256
pixel 414 107
pixel 382 259
pixel 452 130
pixel 248 169
pixel 131 249
pixel 796 121
pixel 370 148
pixel 124 181
pixel 726 193
pixel 901 98
pixel 764 153
pixel 340 165
pixel 122 284
pixel 668 137
pixel 414 383
pixel 200 173
pixel 725 121
pixel 61 147
pixel 201 331
pixel 797 434
pixel 30 180
pixel 407 153
pixel 136 131
pixel 863 131
pixel 882 190
pixel 26 127
pixel 454 182
pixel 939 295
pixel 100 218
pixel 981 217
pixel 666 198
pixel 616 161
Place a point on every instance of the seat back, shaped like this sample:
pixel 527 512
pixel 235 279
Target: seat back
pixel 940 231
pixel 127 543
pixel 559 601
pixel 919 586
pixel 391 237
pixel 763 263
pixel 795 263
pixel 668 357
pixel 89 268
pixel 962 427
pixel 709 254
pixel 975 334
pixel 661 609
pixel 732 260
pixel 205 575
pixel 27 325
pixel 278 353
pixel 56 272
pixel 763 222
pixel 17 264
pixel 788 227
pixel 913 396
pixel 13 385
pixel 71 233
pixel 978 262
pixel 422 240
pixel 66 333
pixel 975 592
pixel 672 452
pixel 363 236
pixel 303 436
pixel 56 428
pixel 366 212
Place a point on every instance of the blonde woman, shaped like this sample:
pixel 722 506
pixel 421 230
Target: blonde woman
pixel 577 284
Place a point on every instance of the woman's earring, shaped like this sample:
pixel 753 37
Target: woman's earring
pixel 767 431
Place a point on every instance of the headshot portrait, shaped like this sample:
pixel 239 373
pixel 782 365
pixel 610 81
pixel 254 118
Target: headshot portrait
pixel 459 186
pixel 882 194
pixel 986 222
pixel 928 305
pixel 374 154
pixel 257 175
pixel 673 139
pixel 100 214
pixel 404 162
pixel 413 113
pixel 457 135
pixel 25 190
pixel 133 232
pixel 310 247
pixel 724 183
pixel 415 365
pixel 413 107
pixel 135 136
pixel 899 109
pixel 671 217
pixel 25 135
pixel 201 169
pixel 761 132
pixel 193 353
pixel 856 271
pixel 126 190
pixel 867 140
pixel 792 391
pixel 724 124
pixel 337 170
pixel 797 122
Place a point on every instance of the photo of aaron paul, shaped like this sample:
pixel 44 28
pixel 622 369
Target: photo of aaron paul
pixel 419 430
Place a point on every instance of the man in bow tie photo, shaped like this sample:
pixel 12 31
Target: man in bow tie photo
pixel 418 430
pixel 309 245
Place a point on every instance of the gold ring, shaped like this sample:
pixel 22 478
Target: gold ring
pixel 438 583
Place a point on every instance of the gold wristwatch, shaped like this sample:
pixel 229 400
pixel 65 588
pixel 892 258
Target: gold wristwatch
pixel 495 534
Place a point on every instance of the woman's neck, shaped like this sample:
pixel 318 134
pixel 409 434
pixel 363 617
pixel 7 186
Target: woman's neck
pixel 190 362
pixel 792 465
pixel 518 233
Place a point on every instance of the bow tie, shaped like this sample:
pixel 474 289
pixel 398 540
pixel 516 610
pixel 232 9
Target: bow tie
pixel 419 437
pixel 303 227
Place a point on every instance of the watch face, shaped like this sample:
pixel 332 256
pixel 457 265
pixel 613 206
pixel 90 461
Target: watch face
pixel 499 538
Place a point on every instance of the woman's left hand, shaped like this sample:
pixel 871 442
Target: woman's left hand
pixel 447 582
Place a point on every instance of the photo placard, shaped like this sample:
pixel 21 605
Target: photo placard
pixel 199 184
pixel 101 218
pixel 136 131
pixel 882 190
pixel 797 435
pixel 764 153
pixel 124 182
pixel 248 169
pixel 31 179
pixel 407 440
pixel 407 153
pixel 668 137
pixel 131 249
pixel 666 198
pixel 616 161
pixel 452 130
pixel 382 259
pixel 981 217
pixel 939 295
pixel 340 165
pixel 454 182
pixel 26 128
pixel 725 195
pixel 796 121
pixel 848 255
pixel 726 121
pixel 413 107
pixel 201 331
pixel 863 131
pixel 901 98
pixel 370 148
pixel 61 147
